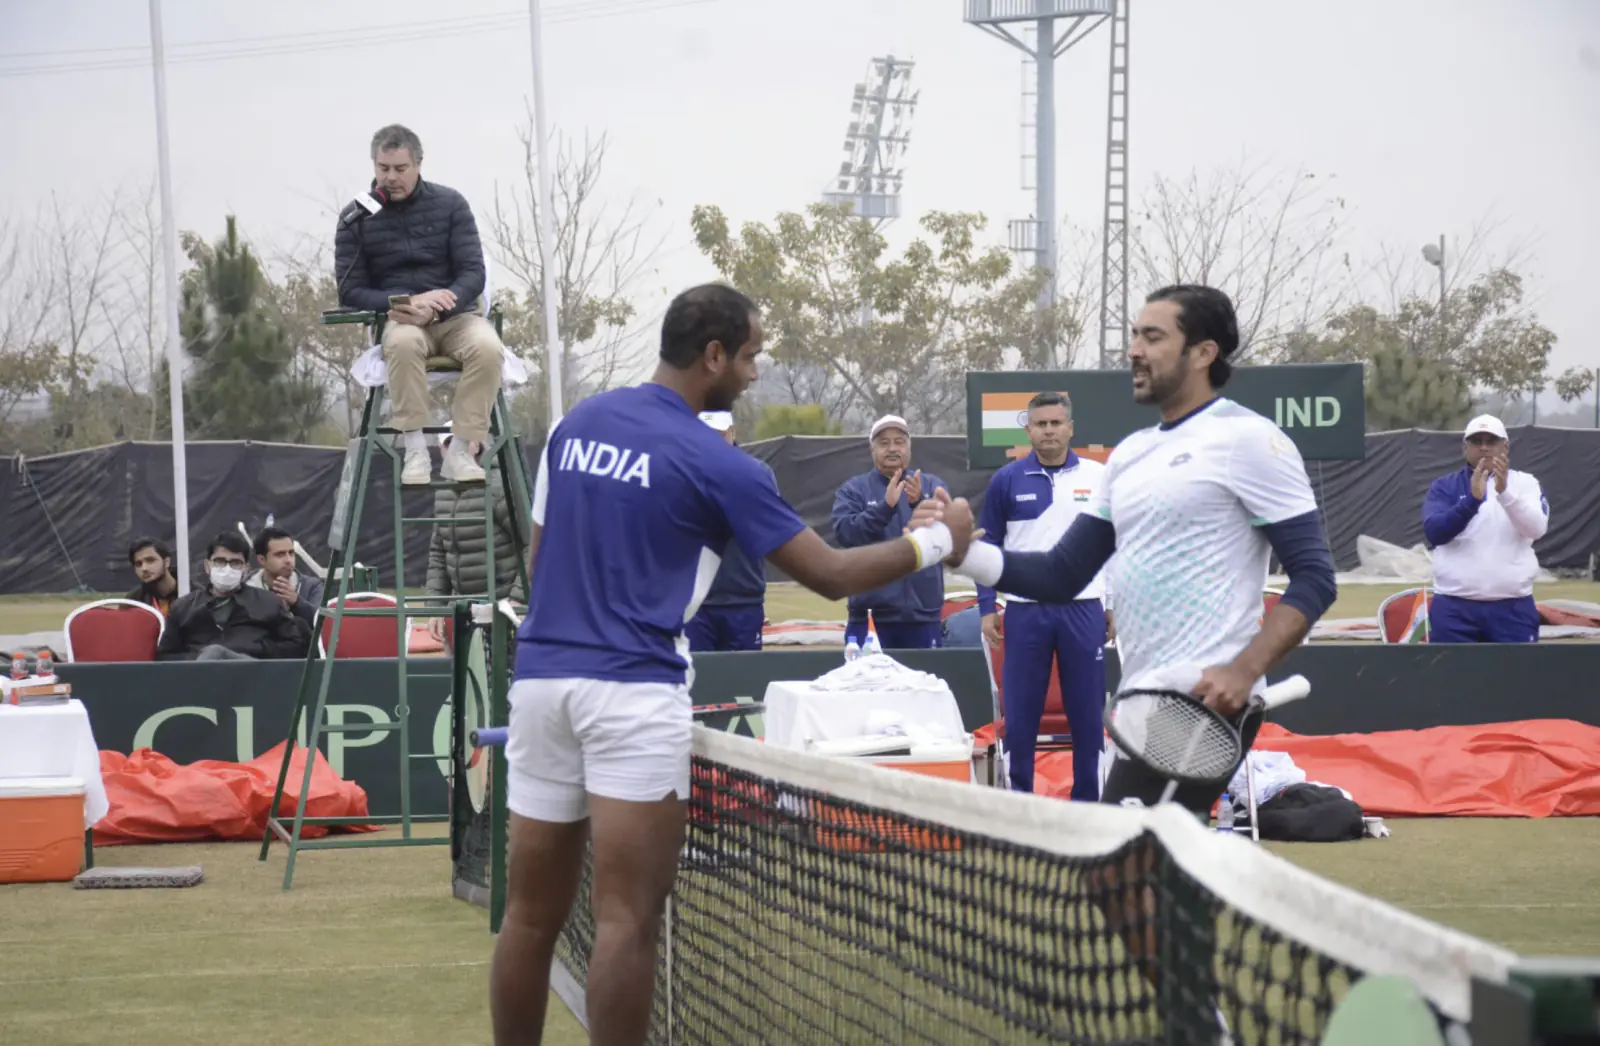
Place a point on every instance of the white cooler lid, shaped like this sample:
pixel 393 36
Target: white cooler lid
pixel 39 787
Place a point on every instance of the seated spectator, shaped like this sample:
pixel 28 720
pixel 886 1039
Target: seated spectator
pixel 301 593
pixel 226 620
pixel 152 565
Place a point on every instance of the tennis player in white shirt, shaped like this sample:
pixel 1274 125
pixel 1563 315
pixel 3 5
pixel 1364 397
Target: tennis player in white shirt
pixel 1482 520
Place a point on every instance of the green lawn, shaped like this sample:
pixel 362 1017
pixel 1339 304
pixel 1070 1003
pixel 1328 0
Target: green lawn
pixel 369 949
pixel 785 602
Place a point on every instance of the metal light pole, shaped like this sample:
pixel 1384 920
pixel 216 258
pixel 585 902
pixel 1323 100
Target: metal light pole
pixel 1038 234
pixel 169 257
pixel 544 222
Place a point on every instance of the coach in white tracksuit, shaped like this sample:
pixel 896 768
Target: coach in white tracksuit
pixel 1482 521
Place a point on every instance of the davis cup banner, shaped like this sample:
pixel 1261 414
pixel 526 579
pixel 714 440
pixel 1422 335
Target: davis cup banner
pixel 1321 406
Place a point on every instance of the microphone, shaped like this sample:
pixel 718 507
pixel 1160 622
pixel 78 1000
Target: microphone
pixel 363 206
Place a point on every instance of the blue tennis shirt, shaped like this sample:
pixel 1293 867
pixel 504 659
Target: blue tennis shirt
pixel 638 499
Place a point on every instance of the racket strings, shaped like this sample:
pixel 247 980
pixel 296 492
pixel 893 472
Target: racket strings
pixel 1175 735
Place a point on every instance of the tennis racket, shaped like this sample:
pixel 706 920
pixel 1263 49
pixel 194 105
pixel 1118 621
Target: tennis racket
pixel 1178 737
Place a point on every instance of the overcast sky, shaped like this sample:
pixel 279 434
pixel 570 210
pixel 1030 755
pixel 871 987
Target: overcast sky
pixel 1432 114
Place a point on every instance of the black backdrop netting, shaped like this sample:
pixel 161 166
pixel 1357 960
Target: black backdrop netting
pixel 99 500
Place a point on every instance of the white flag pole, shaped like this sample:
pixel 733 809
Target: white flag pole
pixel 169 237
pixel 552 331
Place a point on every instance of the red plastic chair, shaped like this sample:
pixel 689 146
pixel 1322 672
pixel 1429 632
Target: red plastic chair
pixel 360 636
pixel 113 630
pixel 1055 730
pixel 1403 617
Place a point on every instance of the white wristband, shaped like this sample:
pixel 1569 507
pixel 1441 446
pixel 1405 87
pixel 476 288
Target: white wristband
pixel 984 563
pixel 933 543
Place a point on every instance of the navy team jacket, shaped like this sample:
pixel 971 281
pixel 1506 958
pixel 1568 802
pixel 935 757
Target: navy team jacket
pixel 861 517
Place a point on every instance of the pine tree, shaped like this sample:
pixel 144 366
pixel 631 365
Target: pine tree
pixel 244 382
pixel 1406 389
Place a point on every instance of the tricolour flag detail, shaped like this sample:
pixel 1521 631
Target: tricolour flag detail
pixel 1005 417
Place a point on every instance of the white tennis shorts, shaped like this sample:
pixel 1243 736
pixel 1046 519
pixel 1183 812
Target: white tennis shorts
pixel 572 738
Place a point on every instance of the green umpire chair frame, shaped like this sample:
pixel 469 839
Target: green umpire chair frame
pixel 504 464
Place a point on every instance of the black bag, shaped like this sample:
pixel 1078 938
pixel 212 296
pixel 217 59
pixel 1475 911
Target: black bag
pixel 1308 813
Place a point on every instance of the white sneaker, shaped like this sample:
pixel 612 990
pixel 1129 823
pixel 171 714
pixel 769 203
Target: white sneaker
pixel 459 467
pixel 418 469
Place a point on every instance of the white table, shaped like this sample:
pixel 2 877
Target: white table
pixel 54 741
pixel 798 710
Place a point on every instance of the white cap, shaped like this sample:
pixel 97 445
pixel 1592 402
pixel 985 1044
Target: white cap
pixel 1485 423
pixel 721 420
pixel 888 421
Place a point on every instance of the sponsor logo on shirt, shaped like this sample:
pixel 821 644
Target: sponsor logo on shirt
pixel 1080 495
pixel 1027 497
pixel 604 460
pixel 1179 460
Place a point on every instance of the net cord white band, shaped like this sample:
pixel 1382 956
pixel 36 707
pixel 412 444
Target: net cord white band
pixel 1345 924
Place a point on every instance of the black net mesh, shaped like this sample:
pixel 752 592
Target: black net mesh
pixel 801 917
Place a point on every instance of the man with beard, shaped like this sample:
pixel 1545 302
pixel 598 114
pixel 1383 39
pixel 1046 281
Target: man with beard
pixel 227 620
pixel 1029 505
pixel 1193 508
pixel 152 565
pixel 636 501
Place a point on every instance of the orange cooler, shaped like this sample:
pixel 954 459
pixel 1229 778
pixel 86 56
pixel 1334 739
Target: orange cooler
pixel 41 829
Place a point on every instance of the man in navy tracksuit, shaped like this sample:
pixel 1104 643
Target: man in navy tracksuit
pixel 733 613
pixel 1482 520
pixel 876 506
pixel 1029 506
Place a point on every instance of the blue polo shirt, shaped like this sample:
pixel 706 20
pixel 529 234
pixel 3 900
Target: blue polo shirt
pixel 638 500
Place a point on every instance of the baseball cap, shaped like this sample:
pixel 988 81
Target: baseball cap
pixel 1485 423
pixel 721 420
pixel 888 421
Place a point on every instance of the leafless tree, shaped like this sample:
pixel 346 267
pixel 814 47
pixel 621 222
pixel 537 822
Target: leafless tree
pixel 601 254
pixel 1271 240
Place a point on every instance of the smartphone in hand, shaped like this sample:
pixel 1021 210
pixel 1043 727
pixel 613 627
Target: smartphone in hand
pixel 399 299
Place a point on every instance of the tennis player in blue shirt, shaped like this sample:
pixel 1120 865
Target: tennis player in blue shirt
pixel 636 501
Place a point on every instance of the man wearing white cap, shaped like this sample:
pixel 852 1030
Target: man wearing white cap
pixel 876 506
pixel 1482 521
pixel 733 613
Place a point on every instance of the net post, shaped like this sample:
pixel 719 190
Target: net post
pixel 666 933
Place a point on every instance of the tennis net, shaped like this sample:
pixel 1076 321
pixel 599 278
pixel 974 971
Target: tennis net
pixel 824 901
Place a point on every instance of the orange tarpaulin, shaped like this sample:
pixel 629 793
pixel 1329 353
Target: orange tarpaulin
pixel 154 800
pixel 1529 768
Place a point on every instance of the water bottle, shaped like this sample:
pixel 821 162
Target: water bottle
pixel 873 646
pixel 1225 813
pixel 852 649
pixel 44 665
pixel 19 665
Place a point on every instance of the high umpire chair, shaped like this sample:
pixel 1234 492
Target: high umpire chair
pixel 503 464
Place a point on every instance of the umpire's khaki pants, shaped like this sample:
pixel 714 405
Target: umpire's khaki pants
pixel 467 338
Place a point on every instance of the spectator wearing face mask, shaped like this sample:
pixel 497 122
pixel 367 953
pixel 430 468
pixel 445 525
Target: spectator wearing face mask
pixel 226 620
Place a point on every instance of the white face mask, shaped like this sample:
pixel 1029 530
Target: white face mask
pixel 226 579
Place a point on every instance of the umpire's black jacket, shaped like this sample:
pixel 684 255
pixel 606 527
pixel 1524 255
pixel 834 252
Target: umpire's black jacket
pixel 427 241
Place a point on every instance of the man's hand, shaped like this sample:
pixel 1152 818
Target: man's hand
pixel 413 315
pixel 957 515
pixel 914 488
pixel 286 589
pixel 439 301
pixel 436 629
pixel 991 629
pixel 927 512
pixel 1500 467
pixel 1480 479
pixel 891 497
pixel 1111 627
pixel 1224 688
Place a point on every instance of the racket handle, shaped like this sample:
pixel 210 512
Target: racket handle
pixel 1284 691
pixel 488 736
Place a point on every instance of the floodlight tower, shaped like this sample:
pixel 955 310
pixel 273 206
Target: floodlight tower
pixel 872 173
pixel 1114 237
pixel 1037 235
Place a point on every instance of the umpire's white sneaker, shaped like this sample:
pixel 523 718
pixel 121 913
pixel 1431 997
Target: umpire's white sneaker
pixel 418 469
pixel 458 466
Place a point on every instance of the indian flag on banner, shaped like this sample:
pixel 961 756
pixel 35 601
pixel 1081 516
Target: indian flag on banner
pixel 1005 415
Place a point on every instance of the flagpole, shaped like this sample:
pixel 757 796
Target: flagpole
pixel 544 219
pixel 169 239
